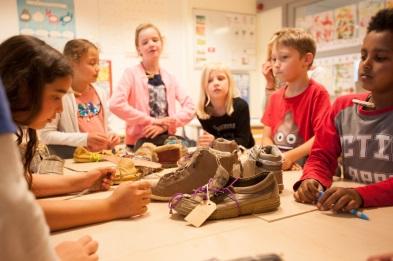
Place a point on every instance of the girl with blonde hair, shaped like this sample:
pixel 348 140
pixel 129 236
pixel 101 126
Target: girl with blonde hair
pixel 221 112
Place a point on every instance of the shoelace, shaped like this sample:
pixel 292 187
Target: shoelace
pixel 95 157
pixel 179 172
pixel 203 192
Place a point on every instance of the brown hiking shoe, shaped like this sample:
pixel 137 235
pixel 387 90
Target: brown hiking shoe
pixel 169 154
pixel 261 159
pixel 201 167
pixel 146 151
pixel 233 197
pixel 222 144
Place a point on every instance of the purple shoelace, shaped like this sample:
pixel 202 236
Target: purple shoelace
pixel 203 191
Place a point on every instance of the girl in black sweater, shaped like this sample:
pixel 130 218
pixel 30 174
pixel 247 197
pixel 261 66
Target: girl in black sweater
pixel 220 111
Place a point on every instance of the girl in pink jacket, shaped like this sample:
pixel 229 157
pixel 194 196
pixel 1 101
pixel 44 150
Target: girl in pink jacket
pixel 146 94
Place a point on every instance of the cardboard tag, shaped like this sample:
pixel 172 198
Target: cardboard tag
pixel 201 213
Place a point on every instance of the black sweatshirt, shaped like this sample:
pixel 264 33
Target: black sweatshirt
pixel 232 127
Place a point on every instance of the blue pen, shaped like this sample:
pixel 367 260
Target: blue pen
pixel 320 194
pixel 359 214
pixel 354 212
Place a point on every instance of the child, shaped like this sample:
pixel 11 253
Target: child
pixel 36 77
pixel 221 112
pixel 272 83
pixel 360 132
pixel 24 232
pixel 294 112
pixel 146 94
pixel 84 120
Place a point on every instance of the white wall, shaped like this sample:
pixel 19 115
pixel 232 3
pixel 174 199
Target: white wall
pixel 269 22
pixel 106 29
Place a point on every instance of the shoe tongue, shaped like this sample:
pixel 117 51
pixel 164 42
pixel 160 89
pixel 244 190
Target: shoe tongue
pixel 220 179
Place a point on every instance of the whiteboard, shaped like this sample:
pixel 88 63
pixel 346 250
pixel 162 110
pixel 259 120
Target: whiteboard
pixel 224 37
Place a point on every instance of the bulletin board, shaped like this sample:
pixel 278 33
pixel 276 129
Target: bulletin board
pixel 224 37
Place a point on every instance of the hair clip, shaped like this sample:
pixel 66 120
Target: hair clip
pixel 364 103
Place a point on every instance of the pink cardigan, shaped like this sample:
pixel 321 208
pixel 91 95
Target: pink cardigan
pixel 130 102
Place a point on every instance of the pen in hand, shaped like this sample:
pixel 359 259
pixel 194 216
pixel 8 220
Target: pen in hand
pixel 354 212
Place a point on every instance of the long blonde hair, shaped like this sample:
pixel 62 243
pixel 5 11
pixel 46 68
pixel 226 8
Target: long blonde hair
pixel 204 99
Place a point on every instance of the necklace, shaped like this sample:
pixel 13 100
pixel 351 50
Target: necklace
pixel 150 75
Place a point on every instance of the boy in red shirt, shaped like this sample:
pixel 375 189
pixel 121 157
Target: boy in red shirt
pixel 358 127
pixel 294 112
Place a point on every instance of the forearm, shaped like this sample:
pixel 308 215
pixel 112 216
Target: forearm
pixel 266 140
pixel 63 214
pixel 63 138
pixel 300 151
pixel 378 194
pixel 52 185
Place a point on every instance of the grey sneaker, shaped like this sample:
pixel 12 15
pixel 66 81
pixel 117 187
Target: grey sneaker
pixel 233 197
pixel 201 167
pixel 222 144
pixel 262 159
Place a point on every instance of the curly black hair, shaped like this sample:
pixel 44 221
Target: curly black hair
pixel 382 21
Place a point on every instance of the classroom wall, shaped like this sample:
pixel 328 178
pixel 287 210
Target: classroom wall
pixel 111 24
pixel 269 22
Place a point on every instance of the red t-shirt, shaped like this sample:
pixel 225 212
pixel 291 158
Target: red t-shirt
pixel 296 119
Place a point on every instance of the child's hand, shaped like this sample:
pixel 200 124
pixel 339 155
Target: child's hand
pixel 153 131
pixel 83 249
pixel 383 257
pixel 205 140
pixel 130 199
pixel 267 71
pixel 340 199
pixel 97 179
pixel 307 191
pixel 113 140
pixel 97 141
pixel 287 162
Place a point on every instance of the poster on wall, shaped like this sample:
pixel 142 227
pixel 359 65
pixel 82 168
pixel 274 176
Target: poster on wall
pixel 322 28
pixel 345 21
pixel 104 79
pixel 229 38
pixel 50 20
pixel 344 78
pixel 366 10
pixel 242 81
pixel 337 73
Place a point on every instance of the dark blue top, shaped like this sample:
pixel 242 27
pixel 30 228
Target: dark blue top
pixel 6 123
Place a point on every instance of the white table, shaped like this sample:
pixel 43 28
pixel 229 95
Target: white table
pixel 312 235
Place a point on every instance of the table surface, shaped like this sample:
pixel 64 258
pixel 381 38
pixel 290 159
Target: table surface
pixel 295 232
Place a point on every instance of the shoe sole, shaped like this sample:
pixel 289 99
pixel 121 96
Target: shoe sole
pixel 249 208
pixel 160 198
pixel 231 210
